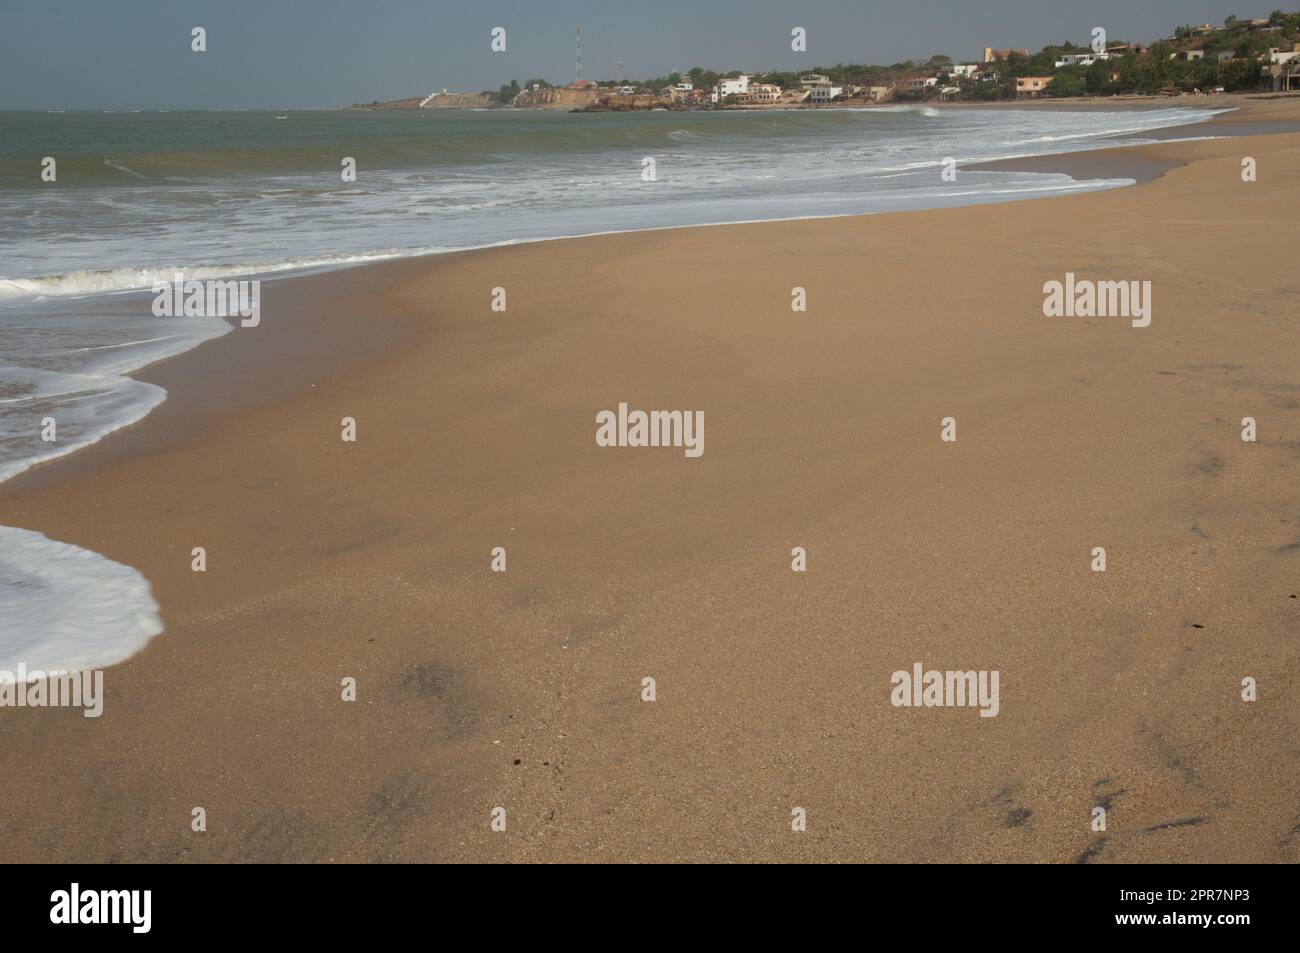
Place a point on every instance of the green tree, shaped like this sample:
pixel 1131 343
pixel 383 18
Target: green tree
pixel 703 78
pixel 1239 74
pixel 1130 71
pixel 988 91
pixel 1252 45
pixel 508 92
pixel 1017 64
pixel 782 79
pixel 1097 79
pixel 1066 82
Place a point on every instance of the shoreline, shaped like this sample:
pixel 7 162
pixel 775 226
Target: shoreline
pixel 1120 162
pixel 371 560
pixel 1145 162
pixel 1113 163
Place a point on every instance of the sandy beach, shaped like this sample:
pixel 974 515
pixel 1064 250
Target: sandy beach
pixel 475 429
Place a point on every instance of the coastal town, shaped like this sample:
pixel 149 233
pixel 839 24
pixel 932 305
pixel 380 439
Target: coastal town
pixel 1240 55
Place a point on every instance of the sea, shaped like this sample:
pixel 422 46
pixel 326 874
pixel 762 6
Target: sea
pixel 139 196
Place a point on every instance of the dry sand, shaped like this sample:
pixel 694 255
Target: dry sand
pixel 522 690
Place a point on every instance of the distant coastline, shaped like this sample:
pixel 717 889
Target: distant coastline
pixel 1241 56
pixel 1112 103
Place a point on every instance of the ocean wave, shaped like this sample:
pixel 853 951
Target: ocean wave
pixel 86 408
pixel 121 168
pixel 113 280
pixel 67 609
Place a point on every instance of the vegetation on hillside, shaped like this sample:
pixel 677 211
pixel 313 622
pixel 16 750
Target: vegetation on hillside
pixel 1162 68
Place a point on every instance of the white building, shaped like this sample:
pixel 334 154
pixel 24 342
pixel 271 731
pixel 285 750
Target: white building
pixel 765 93
pixel 1080 59
pixel 733 87
pixel 964 70
pixel 813 80
pixel 824 94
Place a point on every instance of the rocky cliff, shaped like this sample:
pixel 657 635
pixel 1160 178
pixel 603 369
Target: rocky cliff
pixel 557 97
pixel 639 101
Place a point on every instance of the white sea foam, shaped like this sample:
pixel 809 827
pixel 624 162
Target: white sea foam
pixel 65 608
pixel 84 407
pixel 110 280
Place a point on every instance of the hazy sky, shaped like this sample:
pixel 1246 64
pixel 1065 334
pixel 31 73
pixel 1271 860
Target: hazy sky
pixel 107 54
